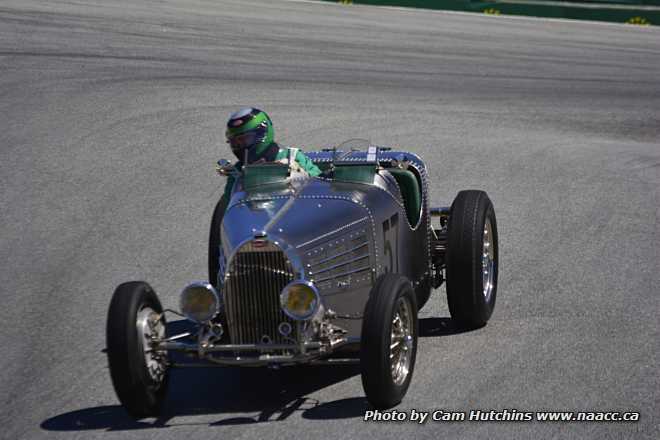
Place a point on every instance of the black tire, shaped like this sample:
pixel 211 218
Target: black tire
pixel 139 393
pixel 214 240
pixel 468 304
pixel 379 385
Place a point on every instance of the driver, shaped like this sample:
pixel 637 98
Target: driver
pixel 250 135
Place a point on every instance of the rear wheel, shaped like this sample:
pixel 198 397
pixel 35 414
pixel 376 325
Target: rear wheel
pixel 472 259
pixel 389 341
pixel 139 373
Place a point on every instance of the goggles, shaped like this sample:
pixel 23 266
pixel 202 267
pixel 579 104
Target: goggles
pixel 247 140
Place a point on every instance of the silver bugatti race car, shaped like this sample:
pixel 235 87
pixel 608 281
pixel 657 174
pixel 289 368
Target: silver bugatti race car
pixel 315 270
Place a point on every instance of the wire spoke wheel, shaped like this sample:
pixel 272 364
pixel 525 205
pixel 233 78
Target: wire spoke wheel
pixel 150 328
pixel 472 259
pixel 389 341
pixel 401 342
pixel 488 261
pixel 139 372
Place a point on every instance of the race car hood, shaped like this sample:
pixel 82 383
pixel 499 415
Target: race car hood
pixel 295 215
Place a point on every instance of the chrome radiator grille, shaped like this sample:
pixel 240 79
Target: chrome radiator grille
pixel 253 282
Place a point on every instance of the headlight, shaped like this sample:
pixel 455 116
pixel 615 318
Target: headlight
pixel 199 302
pixel 300 300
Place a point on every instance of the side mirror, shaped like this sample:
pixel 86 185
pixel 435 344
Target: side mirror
pixel 225 168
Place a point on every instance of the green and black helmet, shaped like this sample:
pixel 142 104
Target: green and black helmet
pixel 250 131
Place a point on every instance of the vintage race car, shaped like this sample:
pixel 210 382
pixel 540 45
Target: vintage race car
pixel 323 270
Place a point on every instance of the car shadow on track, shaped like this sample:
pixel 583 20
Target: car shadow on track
pixel 434 327
pixel 237 397
pixel 269 395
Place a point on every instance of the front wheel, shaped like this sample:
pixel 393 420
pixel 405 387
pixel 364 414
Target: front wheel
pixel 139 373
pixel 389 341
pixel 472 259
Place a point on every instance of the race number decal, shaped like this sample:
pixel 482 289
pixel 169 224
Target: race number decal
pixel 391 244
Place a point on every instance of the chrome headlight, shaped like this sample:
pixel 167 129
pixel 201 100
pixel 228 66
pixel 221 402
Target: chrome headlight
pixel 300 300
pixel 199 302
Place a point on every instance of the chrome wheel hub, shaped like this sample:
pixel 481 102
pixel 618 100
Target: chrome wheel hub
pixel 488 261
pixel 401 341
pixel 151 328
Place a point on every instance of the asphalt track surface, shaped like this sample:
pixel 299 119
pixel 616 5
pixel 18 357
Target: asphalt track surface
pixel 111 119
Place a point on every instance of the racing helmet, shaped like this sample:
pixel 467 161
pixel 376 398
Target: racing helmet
pixel 249 133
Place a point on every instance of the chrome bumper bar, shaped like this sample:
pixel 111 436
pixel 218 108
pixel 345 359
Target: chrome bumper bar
pixel 265 363
pixel 188 347
pixel 299 353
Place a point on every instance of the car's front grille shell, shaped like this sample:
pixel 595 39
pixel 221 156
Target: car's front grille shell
pixel 254 279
